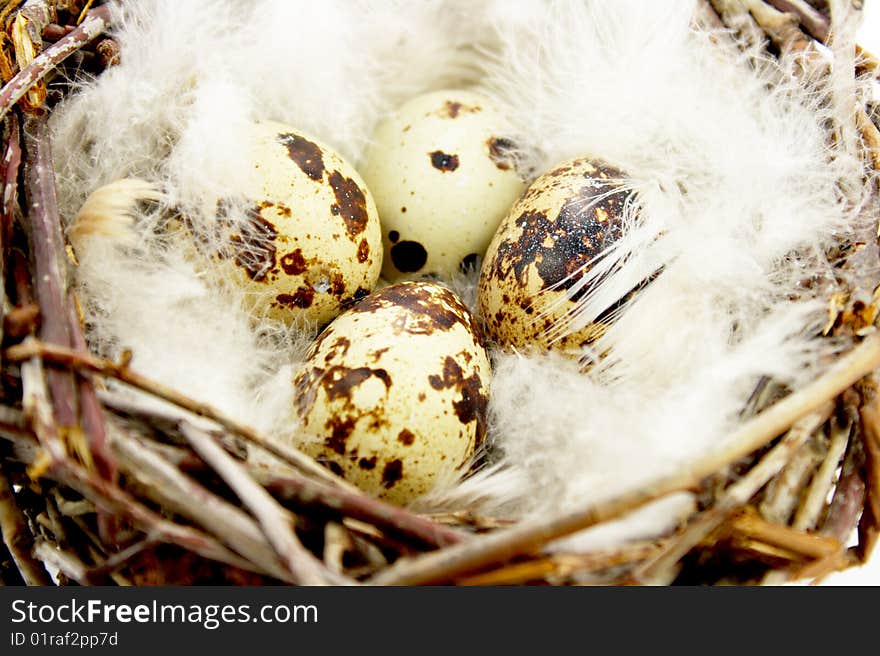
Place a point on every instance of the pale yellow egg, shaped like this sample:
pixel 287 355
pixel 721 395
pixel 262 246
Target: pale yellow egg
pixel 310 242
pixel 393 394
pixel 550 238
pixel 442 171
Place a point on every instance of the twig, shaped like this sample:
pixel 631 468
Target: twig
pixel 101 492
pixel 563 566
pixel 11 163
pixel 748 523
pixel 17 537
pixel 869 524
pixel 165 484
pixel 658 568
pixel 50 267
pixel 273 519
pixel 97 573
pixel 784 491
pixel 64 561
pixel 816 25
pixel 391 519
pixel 46 61
pixel 755 433
pixel 807 515
pixel 121 372
pixel 732 14
pixel 290 485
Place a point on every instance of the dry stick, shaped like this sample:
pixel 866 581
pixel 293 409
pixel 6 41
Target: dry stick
pixel 563 565
pixel 165 484
pixel 812 20
pixel 779 536
pixel 733 15
pixel 64 561
pixel 92 414
pixel 275 521
pixel 59 322
pixel 121 372
pixel 847 504
pixel 752 435
pixel 50 267
pixel 807 515
pixel 153 477
pixel 658 569
pixel 17 537
pixel 785 491
pixel 290 485
pixel 391 519
pixel 869 524
pixel 11 163
pixel 109 565
pixel 47 60
pixel 100 492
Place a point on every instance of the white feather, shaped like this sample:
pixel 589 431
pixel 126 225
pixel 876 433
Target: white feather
pixel 737 186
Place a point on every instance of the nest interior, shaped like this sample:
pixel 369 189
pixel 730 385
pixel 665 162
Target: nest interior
pixel 101 487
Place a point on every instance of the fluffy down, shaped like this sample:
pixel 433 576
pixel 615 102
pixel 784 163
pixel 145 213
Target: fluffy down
pixel 735 178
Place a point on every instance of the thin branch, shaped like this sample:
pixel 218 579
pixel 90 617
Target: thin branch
pixel 46 61
pixel 291 485
pixel 869 524
pixel 737 495
pixel 816 25
pixel 274 520
pixel 17 537
pixel 121 372
pixel 807 516
pixel 449 563
pixel 48 254
pixel 394 520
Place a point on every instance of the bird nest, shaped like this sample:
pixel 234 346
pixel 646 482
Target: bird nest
pixel 171 498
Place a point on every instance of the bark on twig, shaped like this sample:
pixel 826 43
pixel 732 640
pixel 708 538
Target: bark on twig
pixel 752 435
pixel 275 522
pixel 46 61
pixel 735 496
pixel 121 372
pixel 18 539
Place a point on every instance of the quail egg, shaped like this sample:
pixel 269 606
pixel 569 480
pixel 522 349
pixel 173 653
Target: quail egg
pixel 443 174
pixel 392 395
pixel 310 242
pixel 542 249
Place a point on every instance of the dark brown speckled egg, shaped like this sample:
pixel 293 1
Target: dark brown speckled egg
pixel 311 243
pixel 392 395
pixel 543 248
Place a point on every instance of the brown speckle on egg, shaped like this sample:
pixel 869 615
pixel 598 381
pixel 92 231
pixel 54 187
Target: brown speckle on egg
pixel 293 263
pixel 443 161
pixel 389 428
pixel 363 251
pixel 307 154
pixel 542 250
pixel 350 203
pixel 408 256
pixel 392 473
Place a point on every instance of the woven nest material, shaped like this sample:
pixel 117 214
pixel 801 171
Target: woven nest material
pixel 171 499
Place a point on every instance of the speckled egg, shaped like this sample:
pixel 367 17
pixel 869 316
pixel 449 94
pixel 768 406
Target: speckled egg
pixel 393 394
pixel 542 249
pixel 311 242
pixel 443 175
